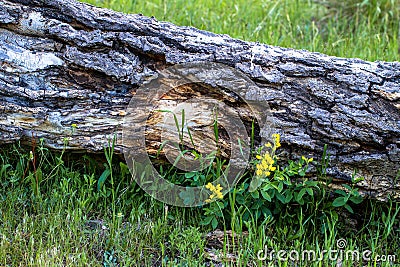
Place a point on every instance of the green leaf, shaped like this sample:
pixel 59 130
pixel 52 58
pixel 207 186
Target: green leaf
pixel 272 193
pixel 280 187
pixel 190 174
pixel 309 191
pixel 300 201
pixel 221 206
pixel 275 185
pixel 338 202
pixel 311 183
pixel 357 180
pixel 207 220
pixel 349 208
pixel 289 196
pixel 280 197
pixel 214 223
pixel 287 182
pixel 266 212
pixel 266 196
pixel 103 178
pixel 300 194
pixel 356 199
pixel 255 194
pixel 240 199
pixel 340 192
pixel 348 187
pixel 267 186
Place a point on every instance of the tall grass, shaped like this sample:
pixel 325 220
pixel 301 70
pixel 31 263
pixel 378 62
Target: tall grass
pixel 367 29
pixel 70 221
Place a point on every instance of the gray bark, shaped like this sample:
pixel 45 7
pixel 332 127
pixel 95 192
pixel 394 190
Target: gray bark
pixel 64 62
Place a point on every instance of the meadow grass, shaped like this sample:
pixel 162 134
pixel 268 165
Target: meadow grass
pixel 55 213
pixel 364 29
pixel 62 218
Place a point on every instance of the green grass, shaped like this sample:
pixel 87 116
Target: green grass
pixel 365 29
pixel 63 219
pixel 53 212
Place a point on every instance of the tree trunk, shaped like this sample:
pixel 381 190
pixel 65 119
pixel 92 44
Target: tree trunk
pixel 64 63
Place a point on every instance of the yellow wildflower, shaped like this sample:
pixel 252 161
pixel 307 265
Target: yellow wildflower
pixel 277 139
pixel 74 125
pixel 306 159
pixel 269 159
pixel 216 192
pixel 264 164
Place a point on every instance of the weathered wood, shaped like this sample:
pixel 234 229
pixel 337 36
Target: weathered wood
pixel 65 62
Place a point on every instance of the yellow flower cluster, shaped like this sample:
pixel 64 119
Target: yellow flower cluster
pixel 216 192
pixel 265 166
pixel 277 140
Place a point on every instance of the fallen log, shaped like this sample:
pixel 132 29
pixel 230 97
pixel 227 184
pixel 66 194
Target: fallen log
pixel 67 64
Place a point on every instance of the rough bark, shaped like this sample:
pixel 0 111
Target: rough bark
pixel 65 62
